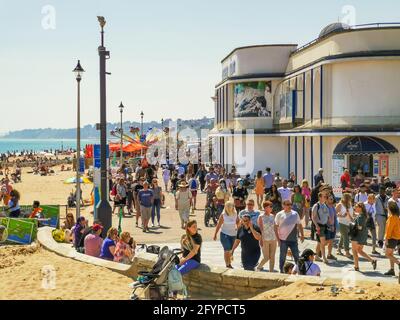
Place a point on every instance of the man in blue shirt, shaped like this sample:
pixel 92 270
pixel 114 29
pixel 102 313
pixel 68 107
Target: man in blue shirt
pixel 211 175
pixel 145 197
pixel 268 180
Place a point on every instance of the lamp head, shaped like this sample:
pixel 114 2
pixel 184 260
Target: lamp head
pixel 121 107
pixel 78 70
pixel 102 21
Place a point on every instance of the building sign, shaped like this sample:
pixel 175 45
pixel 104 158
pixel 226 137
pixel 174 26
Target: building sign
pixel 228 68
pixel 253 99
pixel 376 167
pixel 338 164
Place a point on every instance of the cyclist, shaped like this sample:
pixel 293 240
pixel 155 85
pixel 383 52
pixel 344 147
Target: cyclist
pixel 211 188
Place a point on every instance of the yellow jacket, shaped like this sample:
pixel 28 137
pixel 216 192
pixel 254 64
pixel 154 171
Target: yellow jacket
pixel 392 228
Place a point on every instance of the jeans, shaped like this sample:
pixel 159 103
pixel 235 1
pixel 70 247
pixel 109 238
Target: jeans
pixel 188 266
pixel 344 237
pixel 156 210
pixel 285 245
pixel 381 222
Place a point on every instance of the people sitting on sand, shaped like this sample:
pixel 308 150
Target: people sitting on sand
pixel 123 252
pixel 79 229
pixel 306 266
pixel 36 210
pixel 13 204
pixel 288 268
pixel 108 247
pixel 68 226
pixel 93 242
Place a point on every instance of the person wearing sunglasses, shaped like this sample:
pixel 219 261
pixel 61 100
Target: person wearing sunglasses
pixel 254 214
pixel 248 236
pixel 287 228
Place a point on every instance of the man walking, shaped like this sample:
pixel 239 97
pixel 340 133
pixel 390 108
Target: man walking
pixel 268 180
pixel 381 204
pixel 320 216
pixel 287 227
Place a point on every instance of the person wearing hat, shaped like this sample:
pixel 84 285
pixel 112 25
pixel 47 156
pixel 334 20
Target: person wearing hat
pixel 248 236
pixel 182 202
pixel 319 177
pixel 306 265
pixel 381 206
pixel 93 241
pixel 146 200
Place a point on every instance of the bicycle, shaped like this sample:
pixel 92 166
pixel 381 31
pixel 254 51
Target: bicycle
pixel 211 213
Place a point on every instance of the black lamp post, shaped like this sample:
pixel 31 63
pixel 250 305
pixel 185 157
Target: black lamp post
pixel 78 71
pixel 121 109
pixel 103 207
pixel 177 141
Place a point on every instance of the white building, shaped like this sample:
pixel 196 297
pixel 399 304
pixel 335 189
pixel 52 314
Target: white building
pixel 332 103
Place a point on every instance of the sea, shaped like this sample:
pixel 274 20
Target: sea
pixel 37 145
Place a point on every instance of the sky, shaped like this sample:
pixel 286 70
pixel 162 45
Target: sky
pixel 165 55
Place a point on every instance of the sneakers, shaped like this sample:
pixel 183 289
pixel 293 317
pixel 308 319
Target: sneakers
pixel 152 225
pixel 375 252
pixel 339 253
pixel 317 258
pixel 331 257
pixel 389 273
pixel 349 256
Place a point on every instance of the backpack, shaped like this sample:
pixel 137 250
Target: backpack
pixel 193 185
pixel 302 266
pixel 114 190
pixel 175 282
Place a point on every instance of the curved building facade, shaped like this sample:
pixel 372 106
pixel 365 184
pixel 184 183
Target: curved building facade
pixel 303 104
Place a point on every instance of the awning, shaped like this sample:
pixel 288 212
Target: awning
pixel 364 145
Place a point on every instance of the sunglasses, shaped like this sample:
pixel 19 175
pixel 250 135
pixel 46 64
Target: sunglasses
pixel 287 204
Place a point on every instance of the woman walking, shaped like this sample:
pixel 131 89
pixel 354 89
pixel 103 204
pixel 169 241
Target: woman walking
pixel 359 239
pixel 201 174
pixel 228 223
pixel 306 192
pixel 298 201
pixel 332 223
pixel 157 199
pixel 345 215
pixel 392 236
pixel 222 193
pixel 275 197
pixel 268 242
pixel 260 186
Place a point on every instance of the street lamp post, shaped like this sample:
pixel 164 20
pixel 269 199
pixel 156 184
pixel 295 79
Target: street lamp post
pixel 78 71
pixel 121 109
pixel 103 207
pixel 141 131
pixel 177 142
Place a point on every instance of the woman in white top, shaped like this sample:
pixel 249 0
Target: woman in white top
pixel 266 222
pixel 345 215
pixel 227 223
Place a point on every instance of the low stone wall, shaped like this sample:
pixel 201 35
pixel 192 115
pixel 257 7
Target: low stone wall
pixel 204 282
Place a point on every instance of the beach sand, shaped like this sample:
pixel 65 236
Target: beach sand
pixel 22 271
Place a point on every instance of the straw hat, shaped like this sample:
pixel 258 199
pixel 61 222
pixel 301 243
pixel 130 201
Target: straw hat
pixel 183 184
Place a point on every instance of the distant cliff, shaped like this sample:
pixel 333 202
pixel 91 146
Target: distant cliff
pixel 90 132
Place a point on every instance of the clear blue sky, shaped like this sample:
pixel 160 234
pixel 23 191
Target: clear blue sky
pixel 165 55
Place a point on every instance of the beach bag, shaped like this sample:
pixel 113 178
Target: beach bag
pixel 175 282
pixel 193 185
pixel 58 235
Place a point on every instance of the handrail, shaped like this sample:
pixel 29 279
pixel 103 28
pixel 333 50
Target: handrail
pixel 355 27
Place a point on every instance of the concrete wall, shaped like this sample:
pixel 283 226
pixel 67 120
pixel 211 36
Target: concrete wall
pixel 366 89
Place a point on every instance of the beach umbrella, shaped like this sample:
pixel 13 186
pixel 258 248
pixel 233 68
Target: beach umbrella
pixel 83 180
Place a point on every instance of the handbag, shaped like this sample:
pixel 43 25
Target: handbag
pixel 353 229
pixel 370 220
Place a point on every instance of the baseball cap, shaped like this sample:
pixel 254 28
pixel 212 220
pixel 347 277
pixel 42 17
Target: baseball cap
pixel 97 227
pixel 307 253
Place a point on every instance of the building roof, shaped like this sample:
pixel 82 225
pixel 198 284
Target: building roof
pixel 333 27
pixel 258 46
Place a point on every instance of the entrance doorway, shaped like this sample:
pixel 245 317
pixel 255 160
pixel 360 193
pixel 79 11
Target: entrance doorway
pixel 361 162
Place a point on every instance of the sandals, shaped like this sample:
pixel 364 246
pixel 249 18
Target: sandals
pixel 356 269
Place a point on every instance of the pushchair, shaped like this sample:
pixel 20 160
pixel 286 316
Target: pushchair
pixel 155 283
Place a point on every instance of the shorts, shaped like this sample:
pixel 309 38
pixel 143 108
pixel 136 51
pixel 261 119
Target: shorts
pixel 194 193
pixel 330 235
pixel 15 214
pixel 393 243
pixel 120 202
pixel 145 212
pixel 184 214
pixel 323 231
pixel 227 241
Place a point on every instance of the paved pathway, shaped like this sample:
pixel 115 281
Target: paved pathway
pixel 212 254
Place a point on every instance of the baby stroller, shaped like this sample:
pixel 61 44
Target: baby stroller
pixel 156 283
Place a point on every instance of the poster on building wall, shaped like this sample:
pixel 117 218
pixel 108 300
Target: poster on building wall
pixel 338 164
pixel 384 165
pixel 253 99
pixel 393 166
